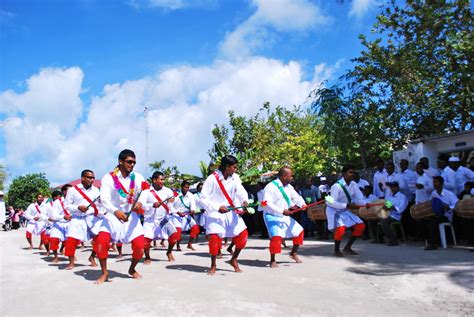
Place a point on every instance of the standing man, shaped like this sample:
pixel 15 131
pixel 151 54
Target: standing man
pixel 60 218
pixel 3 210
pixel 345 195
pixel 186 205
pixel 221 190
pixel 410 179
pixel 281 197
pixel 380 178
pixel 157 203
pixel 82 204
pixel 462 174
pixel 35 214
pixel 430 171
pixel 118 195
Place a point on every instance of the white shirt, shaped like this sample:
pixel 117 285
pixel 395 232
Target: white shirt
pixel 340 198
pixel 448 198
pixel 74 199
pixel 431 172
pixel 147 199
pixel 410 178
pixel 400 203
pixel 187 200
pixel 260 198
pixel 58 211
pixel 449 176
pixel 276 202
pixel 397 177
pixel 212 197
pixel 379 177
pixel 424 194
pixel 363 183
pixel 32 212
pixel 463 175
pixel 110 198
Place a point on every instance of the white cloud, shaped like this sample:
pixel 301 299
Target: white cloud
pixel 360 7
pixel 184 103
pixel 281 15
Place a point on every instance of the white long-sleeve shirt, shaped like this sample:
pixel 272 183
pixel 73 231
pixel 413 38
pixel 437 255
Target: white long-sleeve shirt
pixel 379 177
pixel 397 177
pixel 212 197
pixel 110 198
pixel 463 175
pixel 340 198
pixel 32 212
pixel 185 203
pixel 58 211
pixel 424 194
pixel 276 202
pixel 410 178
pixel 432 172
pixel 449 176
pixel 74 199
pixel 448 198
pixel 148 199
pixel 400 203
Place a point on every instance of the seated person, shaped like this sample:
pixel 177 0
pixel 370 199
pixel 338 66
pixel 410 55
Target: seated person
pixel 443 203
pixel 399 203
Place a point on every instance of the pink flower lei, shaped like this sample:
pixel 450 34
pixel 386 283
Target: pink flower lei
pixel 119 187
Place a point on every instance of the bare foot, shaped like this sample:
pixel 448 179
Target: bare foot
pixel 135 275
pixel 40 247
pixel 295 257
pixel 30 247
pixel 119 256
pixel 55 260
pixel 103 278
pixel 211 271
pixel 235 265
pixel 92 261
pixel 178 249
pixel 47 253
pixel 190 247
pixel 147 261
pixel 338 254
pixel 162 243
pixel 349 251
pixel 170 256
pixel 229 249
pixel 273 264
pixel 70 267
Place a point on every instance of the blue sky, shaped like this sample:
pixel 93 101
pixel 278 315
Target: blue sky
pixel 66 66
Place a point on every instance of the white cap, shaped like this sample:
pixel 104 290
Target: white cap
pixel 322 178
pixel 454 159
pixel 1 193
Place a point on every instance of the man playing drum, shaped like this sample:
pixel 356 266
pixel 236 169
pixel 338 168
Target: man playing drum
pixel 399 203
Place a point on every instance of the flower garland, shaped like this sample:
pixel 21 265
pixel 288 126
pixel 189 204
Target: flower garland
pixel 119 187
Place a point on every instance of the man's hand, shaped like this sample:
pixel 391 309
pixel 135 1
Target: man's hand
pixel 82 208
pixel 181 214
pixel 352 206
pixel 50 219
pixel 67 217
pixel 137 206
pixel 192 212
pixel 245 203
pixel 120 215
pixel 36 218
pixel 223 209
pixel 286 212
pixel 157 204
pixel 419 186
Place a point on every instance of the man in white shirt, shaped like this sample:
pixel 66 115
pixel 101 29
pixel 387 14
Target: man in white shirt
pixel 3 209
pixel 424 185
pixel 59 219
pixel 82 204
pixel 462 174
pixel 158 205
pixel 185 205
pixel 410 179
pixel 221 193
pixel 119 200
pixel 36 216
pixel 280 197
pixel 345 195
pixel 444 202
pixel 399 205
pixel 430 171
pixel 448 174
pixel 393 176
pixel 380 179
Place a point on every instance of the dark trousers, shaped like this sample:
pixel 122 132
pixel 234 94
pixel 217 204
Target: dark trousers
pixel 431 230
pixel 387 229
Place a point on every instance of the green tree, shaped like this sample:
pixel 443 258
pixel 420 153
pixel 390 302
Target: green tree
pixel 23 189
pixel 3 176
pixel 173 177
pixel 419 67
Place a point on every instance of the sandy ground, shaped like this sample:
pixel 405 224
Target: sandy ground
pixel 394 281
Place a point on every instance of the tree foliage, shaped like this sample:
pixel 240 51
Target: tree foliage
pixel 173 177
pixel 3 176
pixel 23 189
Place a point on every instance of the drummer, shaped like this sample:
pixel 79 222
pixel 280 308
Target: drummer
pixel 399 204
pixel 443 203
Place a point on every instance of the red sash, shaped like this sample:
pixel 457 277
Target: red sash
pixel 64 209
pixel 224 191
pixel 160 200
pixel 96 211
pixel 37 208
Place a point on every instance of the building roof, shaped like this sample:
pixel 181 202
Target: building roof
pixel 441 136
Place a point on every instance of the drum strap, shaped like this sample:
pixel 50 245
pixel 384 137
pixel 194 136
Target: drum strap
pixel 282 191
pixel 349 200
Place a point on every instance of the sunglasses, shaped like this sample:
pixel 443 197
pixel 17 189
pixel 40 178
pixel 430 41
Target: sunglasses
pixel 89 177
pixel 130 162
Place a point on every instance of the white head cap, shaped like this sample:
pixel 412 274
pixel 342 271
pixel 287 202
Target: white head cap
pixel 322 178
pixel 454 159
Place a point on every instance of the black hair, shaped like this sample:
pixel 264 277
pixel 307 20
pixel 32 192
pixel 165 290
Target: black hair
pixel 65 187
pixel 56 193
pixel 157 174
pixel 84 172
pixel 347 167
pixel 227 160
pixel 126 153
pixel 439 178
pixel 184 183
